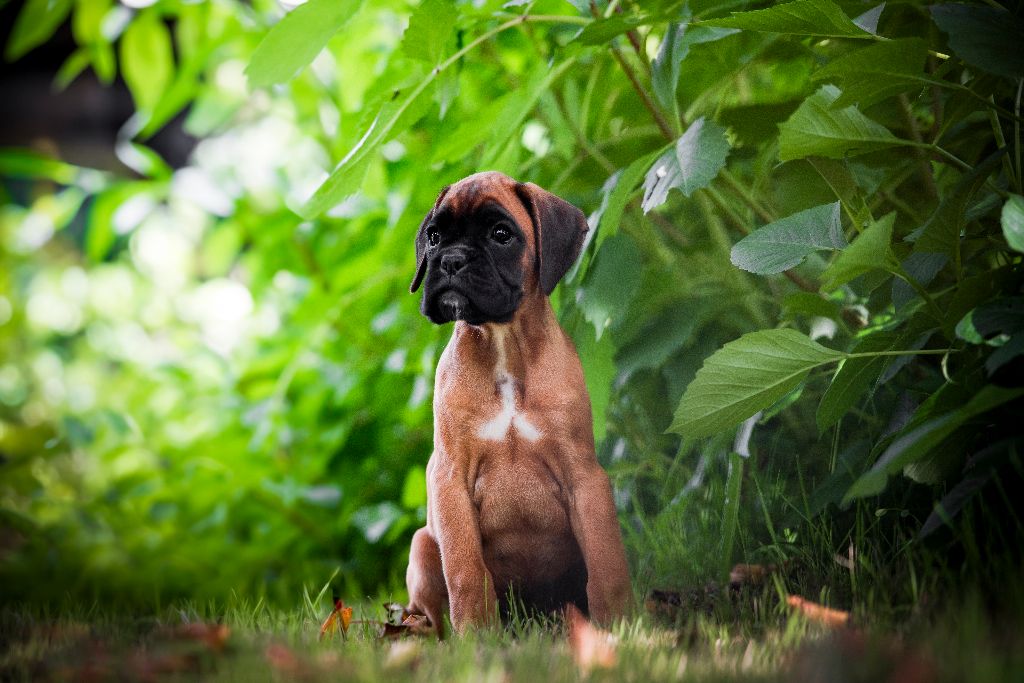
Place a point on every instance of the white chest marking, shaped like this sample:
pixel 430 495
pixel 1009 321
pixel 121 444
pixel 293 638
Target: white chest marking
pixel 498 427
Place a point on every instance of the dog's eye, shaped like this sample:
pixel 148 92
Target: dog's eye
pixel 433 237
pixel 501 234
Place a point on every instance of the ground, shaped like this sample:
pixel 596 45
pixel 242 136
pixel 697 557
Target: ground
pixel 747 635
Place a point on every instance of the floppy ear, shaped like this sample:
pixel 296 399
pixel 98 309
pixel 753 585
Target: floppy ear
pixel 421 243
pixel 560 229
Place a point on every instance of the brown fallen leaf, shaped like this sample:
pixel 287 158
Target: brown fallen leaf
pixel 213 636
pixel 827 616
pixel 340 616
pixel 412 625
pixel 284 661
pixel 591 647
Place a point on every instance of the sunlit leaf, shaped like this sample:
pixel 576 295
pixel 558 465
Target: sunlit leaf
pixel 298 38
pixel 36 22
pixel 818 129
pixel 1013 222
pixel 786 242
pixel 430 27
pixel 745 376
pixel 147 59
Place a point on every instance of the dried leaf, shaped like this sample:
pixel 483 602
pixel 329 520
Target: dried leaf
pixel 833 618
pixel 339 616
pixel 591 647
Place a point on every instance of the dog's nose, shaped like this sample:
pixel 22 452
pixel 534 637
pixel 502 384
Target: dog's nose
pixel 452 263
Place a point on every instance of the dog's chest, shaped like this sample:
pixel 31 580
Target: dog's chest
pixel 505 417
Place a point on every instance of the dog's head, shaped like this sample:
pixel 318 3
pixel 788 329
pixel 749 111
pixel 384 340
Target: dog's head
pixel 489 242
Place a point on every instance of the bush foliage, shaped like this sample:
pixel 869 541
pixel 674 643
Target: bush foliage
pixel 806 252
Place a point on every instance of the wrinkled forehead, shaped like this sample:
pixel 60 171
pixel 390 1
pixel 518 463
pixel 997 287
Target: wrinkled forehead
pixel 485 193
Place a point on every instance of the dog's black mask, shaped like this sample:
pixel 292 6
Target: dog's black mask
pixel 473 264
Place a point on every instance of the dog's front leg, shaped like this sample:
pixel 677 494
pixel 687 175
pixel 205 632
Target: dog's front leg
pixel 471 595
pixel 596 527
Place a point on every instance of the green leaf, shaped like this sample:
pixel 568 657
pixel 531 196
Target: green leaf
pixel 745 376
pixel 147 59
pixel 941 233
pixel 809 304
pixel 873 73
pixel 815 128
pixel 1013 222
pixel 731 511
pixel 616 192
pixel 821 18
pixel 986 37
pixel 430 27
pixel 394 117
pixel 611 282
pixel 414 489
pixel 600 31
pixel 870 251
pixel 785 243
pixel 36 22
pixel 297 39
pixel 691 164
pixel 674 48
pixel 599 369
pixel 920 441
pixel 854 379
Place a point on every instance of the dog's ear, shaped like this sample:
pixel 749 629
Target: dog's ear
pixel 421 242
pixel 560 229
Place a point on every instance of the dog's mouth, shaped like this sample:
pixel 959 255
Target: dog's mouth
pixel 453 304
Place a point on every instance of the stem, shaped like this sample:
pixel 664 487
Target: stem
pixel 915 132
pixel 908 352
pixel 742 191
pixel 659 118
pixel 921 291
pixel 1016 131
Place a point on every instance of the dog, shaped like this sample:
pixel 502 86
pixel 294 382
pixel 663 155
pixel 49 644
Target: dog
pixel 519 512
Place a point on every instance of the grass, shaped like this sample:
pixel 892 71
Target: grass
pixel 747 635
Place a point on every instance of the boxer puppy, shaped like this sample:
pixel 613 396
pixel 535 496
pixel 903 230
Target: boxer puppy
pixel 517 503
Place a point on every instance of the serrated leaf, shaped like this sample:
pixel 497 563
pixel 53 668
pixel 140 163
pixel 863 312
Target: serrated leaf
pixel 36 22
pixel 430 27
pixel 1012 220
pixel 815 128
pixel 821 18
pixel 691 164
pixel 870 251
pixel 809 304
pixel 854 379
pixel 873 73
pixel 745 376
pixel 920 441
pixel 986 37
pixel 785 243
pixel 297 39
pixel 147 59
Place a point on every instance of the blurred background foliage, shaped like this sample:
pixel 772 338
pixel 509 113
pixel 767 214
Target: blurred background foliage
pixel 213 378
